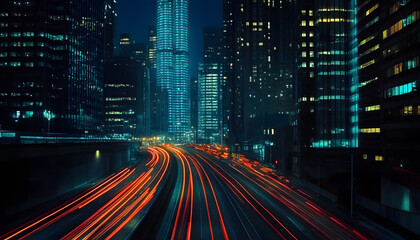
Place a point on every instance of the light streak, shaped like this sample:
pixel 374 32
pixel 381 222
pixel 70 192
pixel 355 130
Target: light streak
pixel 109 183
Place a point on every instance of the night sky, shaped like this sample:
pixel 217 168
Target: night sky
pixel 135 16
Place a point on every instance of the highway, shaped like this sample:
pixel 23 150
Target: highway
pixel 110 209
pixel 196 192
pixel 224 199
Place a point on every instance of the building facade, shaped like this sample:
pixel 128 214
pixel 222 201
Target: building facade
pixel 194 108
pixel 158 96
pixel 110 26
pixel 256 83
pixel 326 95
pixel 125 98
pixel 210 78
pixel 389 50
pixel 173 65
pixel 52 72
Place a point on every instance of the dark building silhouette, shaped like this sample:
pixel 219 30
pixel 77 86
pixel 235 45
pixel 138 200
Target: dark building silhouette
pixel 129 91
pixel 194 107
pixel 389 112
pixel 51 65
pixel 110 25
pixel 125 45
pixel 159 97
pixel 257 84
pixel 125 98
pixel 304 97
pixel 326 95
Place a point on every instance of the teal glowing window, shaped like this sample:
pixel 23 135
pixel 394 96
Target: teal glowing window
pixel 401 90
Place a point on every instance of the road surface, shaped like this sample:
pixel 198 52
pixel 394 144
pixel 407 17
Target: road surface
pixel 185 192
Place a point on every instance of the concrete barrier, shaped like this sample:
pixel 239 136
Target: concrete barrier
pixel 33 174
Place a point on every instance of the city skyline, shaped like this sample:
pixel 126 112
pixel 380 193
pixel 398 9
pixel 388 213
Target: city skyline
pixel 204 13
pixel 248 119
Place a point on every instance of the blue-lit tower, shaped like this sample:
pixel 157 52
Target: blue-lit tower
pixel 172 64
pixel 335 76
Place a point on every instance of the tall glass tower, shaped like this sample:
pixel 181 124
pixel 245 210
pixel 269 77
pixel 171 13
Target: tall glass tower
pixel 172 64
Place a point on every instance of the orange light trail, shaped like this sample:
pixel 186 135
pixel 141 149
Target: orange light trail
pixel 248 201
pixel 110 180
pixel 96 222
pixel 189 199
pixel 222 223
pixel 118 207
pixel 293 205
pixel 180 201
pixel 205 197
pixel 84 227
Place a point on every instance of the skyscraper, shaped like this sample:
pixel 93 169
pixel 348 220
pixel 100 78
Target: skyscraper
pixel 125 44
pixel 158 96
pixel 125 97
pixel 172 64
pixel 255 86
pixel 326 96
pixel 389 69
pixel 304 97
pixel 110 25
pixel 194 108
pixel 152 49
pixel 336 86
pixel 210 77
pixel 51 65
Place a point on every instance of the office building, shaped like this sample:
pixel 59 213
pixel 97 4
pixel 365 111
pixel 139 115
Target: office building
pixel 110 26
pixel 172 65
pixel 256 84
pixel 304 97
pixel 210 77
pixel 389 114
pixel 125 45
pixel 326 96
pixel 194 108
pixel 51 65
pixel 152 48
pixel 159 96
pixel 125 102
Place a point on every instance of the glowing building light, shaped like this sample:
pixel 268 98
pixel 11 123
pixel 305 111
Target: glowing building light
pixel 173 63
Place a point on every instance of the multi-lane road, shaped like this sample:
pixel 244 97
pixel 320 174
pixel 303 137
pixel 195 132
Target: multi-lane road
pixel 191 193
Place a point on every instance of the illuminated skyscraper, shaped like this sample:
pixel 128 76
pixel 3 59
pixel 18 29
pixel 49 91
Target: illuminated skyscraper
pixel 210 76
pixel 326 96
pixel 172 64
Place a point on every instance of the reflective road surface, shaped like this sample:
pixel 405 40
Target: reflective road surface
pixel 192 193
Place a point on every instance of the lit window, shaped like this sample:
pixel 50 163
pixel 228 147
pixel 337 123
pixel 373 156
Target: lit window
pixel 370 130
pixel 372 9
pixel 372 108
